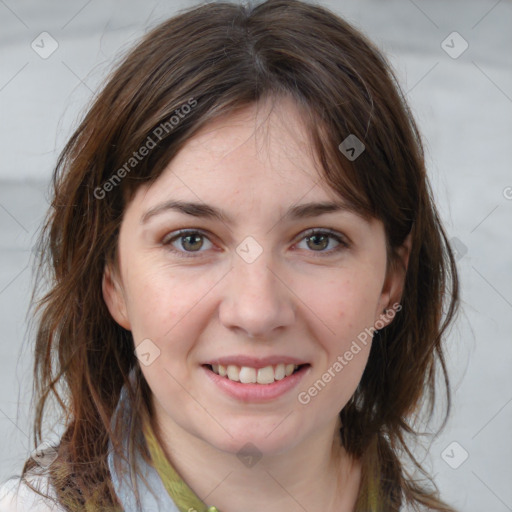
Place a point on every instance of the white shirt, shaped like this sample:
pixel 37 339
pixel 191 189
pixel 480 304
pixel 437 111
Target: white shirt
pixel 27 500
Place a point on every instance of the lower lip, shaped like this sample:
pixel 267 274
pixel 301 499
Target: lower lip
pixel 257 392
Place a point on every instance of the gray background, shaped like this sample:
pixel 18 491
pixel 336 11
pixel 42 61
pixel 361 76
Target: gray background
pixel 464 108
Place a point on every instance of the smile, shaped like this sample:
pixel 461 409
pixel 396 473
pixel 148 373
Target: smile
pixel 259 383
pixel 248 375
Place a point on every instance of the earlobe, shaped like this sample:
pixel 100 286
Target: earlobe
pixel 114 298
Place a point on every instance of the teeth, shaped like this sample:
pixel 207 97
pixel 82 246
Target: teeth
pixel 247 375
pixel 266 375
pixel 233 373
pixel 280 372
pixel 290 368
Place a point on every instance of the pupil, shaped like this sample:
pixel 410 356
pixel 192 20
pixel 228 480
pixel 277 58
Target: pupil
pixel 197 237
pixel 319 236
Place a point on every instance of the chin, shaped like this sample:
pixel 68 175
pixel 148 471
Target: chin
pixel 257 437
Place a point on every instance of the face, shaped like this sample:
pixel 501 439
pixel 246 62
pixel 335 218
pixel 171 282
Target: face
pixel 252 281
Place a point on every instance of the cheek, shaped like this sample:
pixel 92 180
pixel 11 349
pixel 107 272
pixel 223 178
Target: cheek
pixel 162 300
pixel 348 307
pixel 350 302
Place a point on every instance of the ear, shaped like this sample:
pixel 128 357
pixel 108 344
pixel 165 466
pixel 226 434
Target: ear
pixel 394 284
pixel 114 297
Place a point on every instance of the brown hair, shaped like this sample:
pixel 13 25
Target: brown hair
pixel 220 57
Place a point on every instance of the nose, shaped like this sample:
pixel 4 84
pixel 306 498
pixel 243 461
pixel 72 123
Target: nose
pixel 256 300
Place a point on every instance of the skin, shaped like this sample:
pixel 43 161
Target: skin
pixel 297 298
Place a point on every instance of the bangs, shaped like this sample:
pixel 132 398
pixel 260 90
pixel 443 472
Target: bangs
pixel 336 172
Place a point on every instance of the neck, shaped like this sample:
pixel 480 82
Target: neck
pixel 316 475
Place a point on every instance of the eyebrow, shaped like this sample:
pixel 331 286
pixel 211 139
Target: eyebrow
pixel 203 210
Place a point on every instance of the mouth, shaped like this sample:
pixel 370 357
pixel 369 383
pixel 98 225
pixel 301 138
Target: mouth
pixel 249 375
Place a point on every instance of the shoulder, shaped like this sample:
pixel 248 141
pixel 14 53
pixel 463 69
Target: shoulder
pixel 17 496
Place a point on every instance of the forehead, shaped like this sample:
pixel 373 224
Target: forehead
pixel 258 151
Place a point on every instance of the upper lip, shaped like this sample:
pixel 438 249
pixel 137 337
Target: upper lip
pixel 255 362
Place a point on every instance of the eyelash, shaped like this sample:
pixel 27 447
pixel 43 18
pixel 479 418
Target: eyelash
pixel 167 241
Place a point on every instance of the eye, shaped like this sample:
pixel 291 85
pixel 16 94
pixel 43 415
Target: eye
pixel 319 239
pixel 185 242
pixel 191 241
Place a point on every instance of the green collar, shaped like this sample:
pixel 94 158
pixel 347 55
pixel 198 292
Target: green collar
pixel 186 499
pixel 183 496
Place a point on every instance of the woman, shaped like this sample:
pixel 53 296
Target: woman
pixel 250 282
